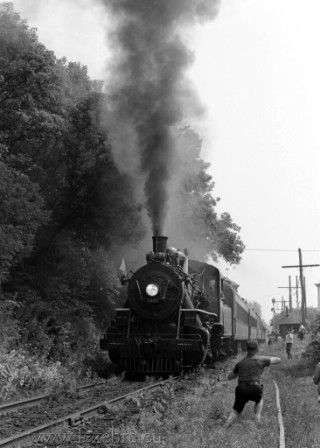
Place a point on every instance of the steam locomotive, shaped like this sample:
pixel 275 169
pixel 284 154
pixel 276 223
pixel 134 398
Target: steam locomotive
pixel 179 313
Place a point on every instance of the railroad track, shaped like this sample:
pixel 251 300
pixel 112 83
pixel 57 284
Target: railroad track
pixel 15 406
pixel 28 437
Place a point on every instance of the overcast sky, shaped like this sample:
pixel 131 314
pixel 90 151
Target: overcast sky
pixel 257 69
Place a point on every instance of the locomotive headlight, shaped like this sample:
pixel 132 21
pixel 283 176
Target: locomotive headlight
pixel 152 290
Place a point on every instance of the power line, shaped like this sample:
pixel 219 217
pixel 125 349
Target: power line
pixel 281 250
pixel 265 297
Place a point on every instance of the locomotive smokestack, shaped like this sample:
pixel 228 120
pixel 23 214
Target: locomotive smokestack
pixel 159 244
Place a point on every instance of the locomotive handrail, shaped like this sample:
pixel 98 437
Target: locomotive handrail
pixel 141 298
pixel 179 322
pixel 196 310
pixel 165 291
pixel 128 329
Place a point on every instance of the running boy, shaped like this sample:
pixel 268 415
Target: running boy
pixel 248 371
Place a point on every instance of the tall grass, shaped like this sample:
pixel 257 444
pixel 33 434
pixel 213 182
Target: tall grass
pixel 197 417
pixel 300 409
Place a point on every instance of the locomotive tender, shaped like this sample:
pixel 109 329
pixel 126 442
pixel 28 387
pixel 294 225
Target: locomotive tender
pixel 178 314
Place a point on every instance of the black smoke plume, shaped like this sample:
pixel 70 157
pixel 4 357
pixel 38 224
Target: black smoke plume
pixel 147 86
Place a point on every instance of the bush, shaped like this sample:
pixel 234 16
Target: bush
pixel 312 350
pixel 9 326
pixel 21 374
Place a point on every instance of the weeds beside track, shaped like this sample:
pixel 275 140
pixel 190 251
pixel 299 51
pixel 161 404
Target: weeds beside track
pixel 193 414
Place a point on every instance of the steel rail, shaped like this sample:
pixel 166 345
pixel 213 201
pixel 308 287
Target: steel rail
pixel 26 438
pixel 282 441
pixel 14 406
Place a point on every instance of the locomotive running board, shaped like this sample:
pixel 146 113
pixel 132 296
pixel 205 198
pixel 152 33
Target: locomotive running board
pixel 197 310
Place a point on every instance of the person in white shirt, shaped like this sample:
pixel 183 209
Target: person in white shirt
pixel 316 379
pixel 289 342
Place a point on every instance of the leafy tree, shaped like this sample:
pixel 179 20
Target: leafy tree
pixel 73 273
pixel 57 161
pixel 50 130
pixel 30 89
pixel 193 209
pixel 98 201
pixel 255 306
pixel 227 241
pixel 21 214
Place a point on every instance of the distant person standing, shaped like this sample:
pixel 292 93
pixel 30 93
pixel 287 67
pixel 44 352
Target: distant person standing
pixel 248 371
pixel 279 338
pixel 289 342
pixel 301 332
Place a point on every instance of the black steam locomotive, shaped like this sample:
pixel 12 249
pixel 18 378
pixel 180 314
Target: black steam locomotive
pixel 178 314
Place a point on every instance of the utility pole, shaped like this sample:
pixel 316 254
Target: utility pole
pixel 290 287
pixel 290 296
pixel 283 306
pixel 303 285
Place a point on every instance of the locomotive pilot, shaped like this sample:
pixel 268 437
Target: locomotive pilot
pixel 248 371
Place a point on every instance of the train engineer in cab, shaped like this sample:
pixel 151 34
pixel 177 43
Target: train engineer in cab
pixel 248 371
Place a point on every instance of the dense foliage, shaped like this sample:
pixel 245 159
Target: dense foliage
pixel 64 202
